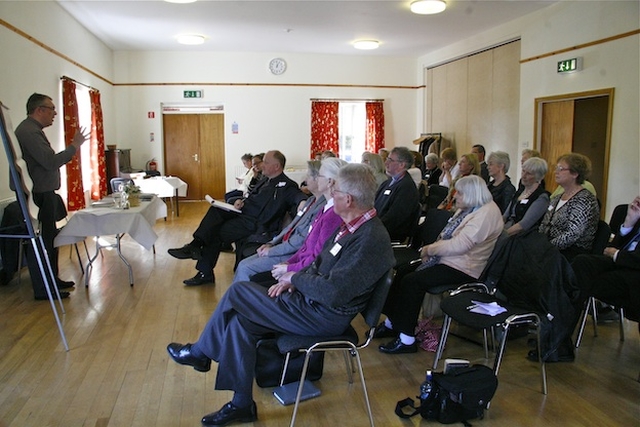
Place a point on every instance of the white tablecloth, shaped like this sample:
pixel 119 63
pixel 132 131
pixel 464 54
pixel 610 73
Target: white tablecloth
pixel 163 186
pixel 106 221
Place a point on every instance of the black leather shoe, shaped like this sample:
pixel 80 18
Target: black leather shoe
pixel 63 284
pixel 182 354
pixel 188 251
pixel 199 279
pixel 229 413
pixel 44 297
pixel 396 347
pixel 382 331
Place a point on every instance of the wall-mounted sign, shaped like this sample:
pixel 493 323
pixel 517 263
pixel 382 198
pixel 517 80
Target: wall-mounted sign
pixel 192 94
pixel 570 65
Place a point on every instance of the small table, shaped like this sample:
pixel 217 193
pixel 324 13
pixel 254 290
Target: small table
pixel 164 186
pixel 104 221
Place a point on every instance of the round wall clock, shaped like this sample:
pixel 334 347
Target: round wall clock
pixel 277 66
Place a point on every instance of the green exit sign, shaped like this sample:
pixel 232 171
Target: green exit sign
pixel 570 65
pixel 192 94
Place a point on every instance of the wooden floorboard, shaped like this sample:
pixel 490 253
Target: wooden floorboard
pixel 117 372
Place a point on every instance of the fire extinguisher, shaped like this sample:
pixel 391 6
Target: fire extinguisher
pixel 152 165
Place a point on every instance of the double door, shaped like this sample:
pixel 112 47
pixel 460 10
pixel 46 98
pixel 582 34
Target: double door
pixel 194 151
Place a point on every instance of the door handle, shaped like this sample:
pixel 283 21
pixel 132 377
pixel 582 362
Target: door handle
pixel 195 157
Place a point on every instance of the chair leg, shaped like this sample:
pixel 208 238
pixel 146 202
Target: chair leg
pixel 485 344
pixel 583 322
pixel 621 315
pixel 284 368
pixel 364 389
pixel 303 376
pixel 79 259
pixel 446 323
pixel 349 364
pixel 20 255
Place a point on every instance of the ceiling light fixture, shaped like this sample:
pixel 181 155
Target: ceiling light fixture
pixel 181 1
pixel 428 7
pixel 366 44
pixel 190 39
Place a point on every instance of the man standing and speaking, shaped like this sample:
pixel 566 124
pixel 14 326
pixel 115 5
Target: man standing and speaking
pixel 43 164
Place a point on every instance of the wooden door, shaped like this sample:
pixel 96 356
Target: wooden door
pixel 194 151
pixel 556 135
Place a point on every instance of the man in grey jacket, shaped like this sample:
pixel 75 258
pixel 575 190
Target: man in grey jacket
pixel 319 300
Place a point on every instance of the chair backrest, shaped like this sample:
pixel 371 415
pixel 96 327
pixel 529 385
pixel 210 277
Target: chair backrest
pixel 115 183
pixel 371 312
pixel 437 193
pixel 603 233
pixel 432 226
pixel 617 217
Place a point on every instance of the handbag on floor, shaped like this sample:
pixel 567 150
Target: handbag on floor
pixel 460 395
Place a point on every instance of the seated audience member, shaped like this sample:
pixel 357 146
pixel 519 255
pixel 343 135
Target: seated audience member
pixel 326 154
pixel 325 223
pixel 262 213
pixel 432 172
pixel 450 168
pixel 614 276
pixel 500 187
pixel 377 164
pixel 322 299
pixel 416 169
pixel 397 197
pixel 530 203
pixel 243 181
pixel 527 154
pixel 458 256
pixel 290 239
pixel 384 153
pixel 256 168
pixel 467 165
pixel 571 220
pixel 480 152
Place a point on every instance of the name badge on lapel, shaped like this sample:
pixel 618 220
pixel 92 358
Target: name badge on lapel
pixel 335 249
pixel 387 192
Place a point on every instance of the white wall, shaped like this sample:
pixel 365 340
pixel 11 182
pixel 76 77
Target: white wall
pixel 27 67
pixel 612 64
pixel 276 115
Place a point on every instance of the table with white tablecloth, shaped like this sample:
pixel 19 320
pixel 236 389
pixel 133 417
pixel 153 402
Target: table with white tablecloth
pixel 164 186
pixel 137 222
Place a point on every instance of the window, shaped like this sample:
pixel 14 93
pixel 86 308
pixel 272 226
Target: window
pixel 352 125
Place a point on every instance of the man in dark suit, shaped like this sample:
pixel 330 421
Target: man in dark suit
pixel 614 276
pixel 262 213
pixel 480 152
pixel 397 198
pixel 319 300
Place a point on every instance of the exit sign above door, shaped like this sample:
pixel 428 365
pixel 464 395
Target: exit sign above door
pixel 570 65
pixel 192 94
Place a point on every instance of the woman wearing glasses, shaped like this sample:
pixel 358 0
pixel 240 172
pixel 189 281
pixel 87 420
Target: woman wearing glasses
pixel 572 217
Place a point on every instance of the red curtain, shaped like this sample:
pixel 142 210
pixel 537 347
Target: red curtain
pixel 75 190
pixel 375 127
pixel 98 161
pixel 324 127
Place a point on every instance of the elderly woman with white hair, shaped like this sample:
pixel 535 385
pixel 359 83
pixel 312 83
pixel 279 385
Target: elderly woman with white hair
pixel 458 256
pixel 432 172
pixel 500 186
pixel 531 201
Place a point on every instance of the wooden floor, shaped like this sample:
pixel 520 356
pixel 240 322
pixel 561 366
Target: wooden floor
pixel 117 372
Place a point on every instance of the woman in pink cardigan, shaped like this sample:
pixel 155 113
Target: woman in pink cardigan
pixel 324 225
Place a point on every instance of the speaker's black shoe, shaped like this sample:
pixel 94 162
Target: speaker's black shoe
pixel 63 284
pixel 229 413
pixel 182 354
pixel 382 331
pixel 44 297
pixel 199 279
pixel 396 347
pixel 188 251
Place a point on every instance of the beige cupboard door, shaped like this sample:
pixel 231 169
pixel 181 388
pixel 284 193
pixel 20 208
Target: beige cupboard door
pixel 194 151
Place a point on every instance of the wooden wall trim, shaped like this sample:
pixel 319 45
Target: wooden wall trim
pixel 581 46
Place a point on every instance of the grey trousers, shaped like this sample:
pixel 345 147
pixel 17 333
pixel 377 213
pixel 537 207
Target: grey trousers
pixel 255 264
pixel 244 315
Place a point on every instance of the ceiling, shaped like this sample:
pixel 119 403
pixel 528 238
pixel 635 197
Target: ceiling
pixel 293 26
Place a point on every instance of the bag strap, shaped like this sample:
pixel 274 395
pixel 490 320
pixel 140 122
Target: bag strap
pixel 408 402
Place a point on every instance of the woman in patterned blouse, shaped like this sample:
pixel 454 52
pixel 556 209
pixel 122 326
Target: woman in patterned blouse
pixel 572 217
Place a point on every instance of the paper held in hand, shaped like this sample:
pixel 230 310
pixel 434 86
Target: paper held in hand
pixel 221 205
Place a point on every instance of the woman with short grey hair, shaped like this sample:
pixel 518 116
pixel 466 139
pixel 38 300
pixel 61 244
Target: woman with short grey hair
pixel 500 185
pixel 432 171
pixel 531 201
